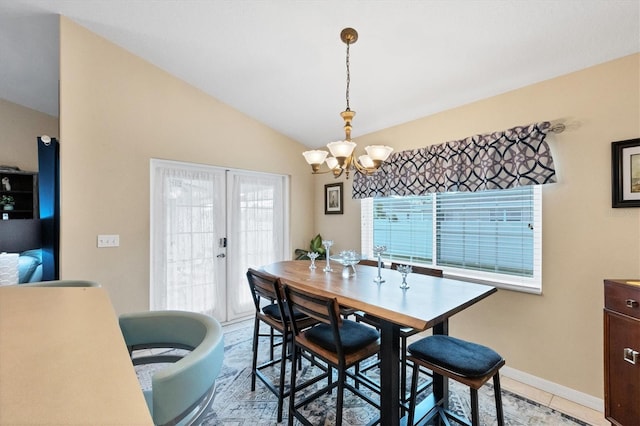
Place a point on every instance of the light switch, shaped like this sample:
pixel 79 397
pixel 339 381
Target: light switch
pixel 108 241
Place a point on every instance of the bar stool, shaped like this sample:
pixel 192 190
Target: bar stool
pixel 465 362
pixel 340 343
pixel 266 287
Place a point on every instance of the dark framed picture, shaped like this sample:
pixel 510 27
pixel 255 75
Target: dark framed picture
pixel 625 173
pixel 333 198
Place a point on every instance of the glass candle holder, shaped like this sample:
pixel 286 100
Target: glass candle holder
pixel 377 251
pixel 313 256
pixel 327 246
pixel 404 270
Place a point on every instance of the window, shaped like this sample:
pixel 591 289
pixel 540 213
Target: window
pixel 485 236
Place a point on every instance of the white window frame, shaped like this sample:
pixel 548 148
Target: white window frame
pixel 511 282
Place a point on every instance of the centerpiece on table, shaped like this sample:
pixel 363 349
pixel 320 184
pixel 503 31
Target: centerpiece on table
pixel 348 259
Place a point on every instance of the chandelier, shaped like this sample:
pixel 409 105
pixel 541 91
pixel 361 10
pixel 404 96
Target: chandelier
pixel 343 159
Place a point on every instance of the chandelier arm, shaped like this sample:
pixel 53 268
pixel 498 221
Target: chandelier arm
pixel 321 172
pixel 337 172
pixel 361 168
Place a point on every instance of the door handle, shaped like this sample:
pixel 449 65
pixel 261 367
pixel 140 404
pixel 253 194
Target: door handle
pixel 630 355
pixel 221 255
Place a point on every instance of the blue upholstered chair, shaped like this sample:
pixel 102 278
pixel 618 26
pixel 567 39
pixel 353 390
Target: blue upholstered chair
pixel 182 392
pixel 62 283
pixel 465 362
pixel 30 266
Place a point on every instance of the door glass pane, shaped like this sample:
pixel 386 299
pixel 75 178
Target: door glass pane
pixel 256 232
pixel 195 207
pixel 187 220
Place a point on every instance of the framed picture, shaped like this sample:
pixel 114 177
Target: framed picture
pixel 333 198
pixel 625 177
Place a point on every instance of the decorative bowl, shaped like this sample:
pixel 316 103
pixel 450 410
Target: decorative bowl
pixel 348 259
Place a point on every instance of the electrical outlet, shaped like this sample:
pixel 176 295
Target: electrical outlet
pixel 108 241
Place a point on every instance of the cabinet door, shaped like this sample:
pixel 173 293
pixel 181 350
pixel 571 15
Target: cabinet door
pixel 622 387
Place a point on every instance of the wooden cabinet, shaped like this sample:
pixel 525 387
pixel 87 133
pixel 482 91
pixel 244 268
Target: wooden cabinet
pixel 22 187
pixel 622 352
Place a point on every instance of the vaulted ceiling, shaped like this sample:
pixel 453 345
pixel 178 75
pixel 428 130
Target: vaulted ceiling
pixel 282 61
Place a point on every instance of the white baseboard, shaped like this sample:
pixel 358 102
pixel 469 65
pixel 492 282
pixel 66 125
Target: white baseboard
pixel 237 324
pixel 554 388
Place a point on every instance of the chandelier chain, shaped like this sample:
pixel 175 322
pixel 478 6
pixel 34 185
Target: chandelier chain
pixel 348 77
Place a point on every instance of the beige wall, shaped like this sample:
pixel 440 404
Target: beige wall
pixel 116 113
pixel 556 336
pixel 20 128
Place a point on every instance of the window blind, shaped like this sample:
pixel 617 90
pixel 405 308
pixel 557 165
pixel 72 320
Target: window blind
pixel 487 231
pixel 486 236
pixel 405 226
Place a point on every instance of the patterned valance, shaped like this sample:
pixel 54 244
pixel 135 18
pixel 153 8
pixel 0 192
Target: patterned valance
pixel 515 157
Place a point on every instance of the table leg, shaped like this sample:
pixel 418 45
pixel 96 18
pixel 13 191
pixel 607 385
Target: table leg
pixel 434 404
pixel 440 383
pixel 389 374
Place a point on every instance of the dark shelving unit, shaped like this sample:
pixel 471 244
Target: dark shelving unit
pixel 24 190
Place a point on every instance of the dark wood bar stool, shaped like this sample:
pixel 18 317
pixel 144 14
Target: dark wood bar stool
pixel 339 342
pixel 265 287
pixel 422 270
pixel 465 362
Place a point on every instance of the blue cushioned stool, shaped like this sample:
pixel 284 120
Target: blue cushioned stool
pixel 465 362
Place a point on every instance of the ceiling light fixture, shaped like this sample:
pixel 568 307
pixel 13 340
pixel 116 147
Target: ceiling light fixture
pixel 343 159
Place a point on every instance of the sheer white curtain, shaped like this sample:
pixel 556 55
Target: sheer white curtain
pixel 187 209
pixel 256 230
pixel 193 209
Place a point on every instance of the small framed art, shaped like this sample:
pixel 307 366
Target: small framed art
pixel 333 198
pixel 625 173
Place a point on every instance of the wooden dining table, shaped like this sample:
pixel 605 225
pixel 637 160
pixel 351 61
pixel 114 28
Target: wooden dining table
pixel 429 302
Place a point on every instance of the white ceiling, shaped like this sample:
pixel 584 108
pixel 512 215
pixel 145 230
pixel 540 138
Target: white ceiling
pixel 282 61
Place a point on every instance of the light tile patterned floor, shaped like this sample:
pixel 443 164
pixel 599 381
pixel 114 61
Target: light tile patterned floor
pixel 580 412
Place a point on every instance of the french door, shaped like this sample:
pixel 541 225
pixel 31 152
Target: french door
pixel 208 226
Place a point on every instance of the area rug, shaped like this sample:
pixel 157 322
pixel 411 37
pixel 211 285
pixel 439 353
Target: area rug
pixel 236 405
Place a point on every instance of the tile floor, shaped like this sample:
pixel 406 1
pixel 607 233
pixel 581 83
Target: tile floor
pixel 580 412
